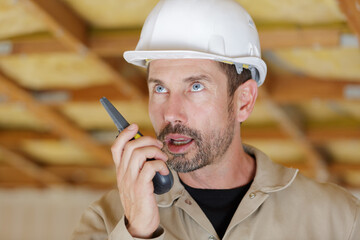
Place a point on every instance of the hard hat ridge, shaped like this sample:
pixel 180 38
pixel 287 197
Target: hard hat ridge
pixel 219 30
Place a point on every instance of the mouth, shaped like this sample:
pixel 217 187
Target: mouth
pixel 178 144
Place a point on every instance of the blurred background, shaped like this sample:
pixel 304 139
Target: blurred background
pixel 59 57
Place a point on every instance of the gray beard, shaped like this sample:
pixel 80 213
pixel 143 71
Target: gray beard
pixel 209 147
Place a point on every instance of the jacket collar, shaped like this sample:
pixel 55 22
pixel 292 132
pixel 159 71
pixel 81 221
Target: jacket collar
pixel 269 177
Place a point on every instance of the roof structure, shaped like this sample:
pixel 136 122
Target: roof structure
pixel 59 57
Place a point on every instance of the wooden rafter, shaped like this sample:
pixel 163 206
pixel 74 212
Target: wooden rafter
pixel 34 45
pixel 115 43
pixel 343 167
pixel 84 174
pixel 327 134
pixel 71 31
pixel 87 94
pixel 26 166
pixel 65 25
pixel 315 160
pixel 70 35
pixel 11 138
pixel 11 177
pixel 55 121
pixel 351 9
pixel 295 88
pixel 288 88
pixel 289 38
pixel 314 135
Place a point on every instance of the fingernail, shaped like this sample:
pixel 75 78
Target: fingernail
pixel 132 127
pixel 160 142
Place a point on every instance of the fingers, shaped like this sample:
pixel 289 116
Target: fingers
pixel 141 185
pixel 150 168
pixel 125 136
pixel 137 151
pixel 129 156
pixel 137 160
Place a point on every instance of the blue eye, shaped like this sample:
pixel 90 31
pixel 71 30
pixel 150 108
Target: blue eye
pixel 160 89
pixel 197 87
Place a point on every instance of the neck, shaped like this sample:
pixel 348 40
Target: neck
pixel 235 168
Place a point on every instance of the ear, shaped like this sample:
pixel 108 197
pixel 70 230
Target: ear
pixel 244 99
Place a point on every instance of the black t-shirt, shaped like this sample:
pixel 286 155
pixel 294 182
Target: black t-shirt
pixel 219 205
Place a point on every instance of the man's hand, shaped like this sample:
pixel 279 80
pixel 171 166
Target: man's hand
pixel 134 179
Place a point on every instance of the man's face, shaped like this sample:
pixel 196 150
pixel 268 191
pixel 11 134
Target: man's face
pixel 191 112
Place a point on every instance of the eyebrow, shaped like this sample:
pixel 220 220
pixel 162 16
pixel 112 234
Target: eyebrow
pixel 201 77
pixel 154 80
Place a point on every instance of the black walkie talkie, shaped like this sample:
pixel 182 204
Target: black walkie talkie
pixel 162 184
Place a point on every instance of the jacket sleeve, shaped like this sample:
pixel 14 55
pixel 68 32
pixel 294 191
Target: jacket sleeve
pixel 120 232
pixel 355 233
pixel 104 220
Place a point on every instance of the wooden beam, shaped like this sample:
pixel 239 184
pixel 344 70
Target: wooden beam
pixel 11 139
pixel 85 174
pixel 13 177
pixel 351 9
pixel 137 77
pixel 302 37
pixel 72 32
pixel 56 122
pixel 86 94
pixel 315 160
pixel 26 166
pixel 263 133
pixel 104 45
pixel 65 25
pixel 288 88
pixel 338 168
pixel 341 171
pixel 314 135
pixel 115 43
pixel 321 135
pixel 33 45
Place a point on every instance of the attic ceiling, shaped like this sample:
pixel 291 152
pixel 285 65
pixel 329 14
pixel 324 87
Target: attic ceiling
pixel 59 57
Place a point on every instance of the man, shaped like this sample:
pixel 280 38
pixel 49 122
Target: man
pixel 204 67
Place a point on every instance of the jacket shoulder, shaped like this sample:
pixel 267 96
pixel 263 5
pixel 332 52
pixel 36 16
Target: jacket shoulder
pixel 326 200
pixel 325 193
pixel 324 208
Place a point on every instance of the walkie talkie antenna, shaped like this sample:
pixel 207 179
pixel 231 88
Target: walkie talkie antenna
pixel 118 119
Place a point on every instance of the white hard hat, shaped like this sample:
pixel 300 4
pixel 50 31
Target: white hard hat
pixel 219 30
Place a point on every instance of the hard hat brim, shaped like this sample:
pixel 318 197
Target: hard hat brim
pixel 140 58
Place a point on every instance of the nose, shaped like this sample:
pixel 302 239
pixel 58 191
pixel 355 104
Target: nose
pixel 175 110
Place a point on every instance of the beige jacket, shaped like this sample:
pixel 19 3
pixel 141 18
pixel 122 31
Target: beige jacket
pixel 280 204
